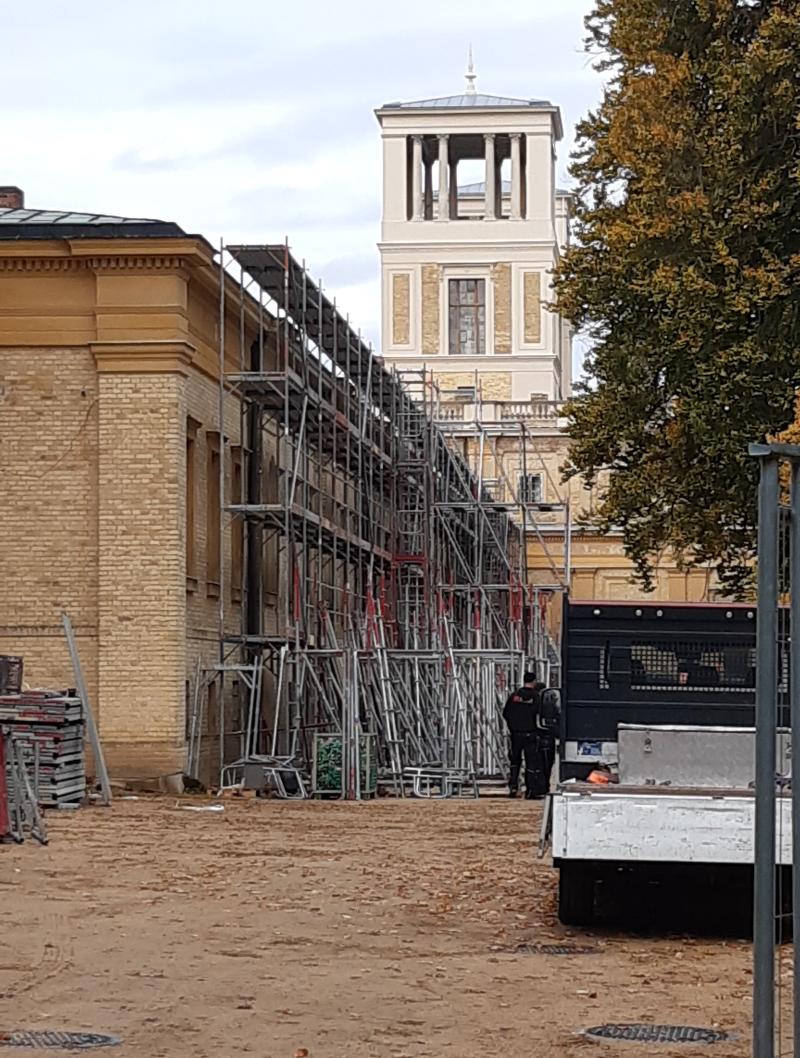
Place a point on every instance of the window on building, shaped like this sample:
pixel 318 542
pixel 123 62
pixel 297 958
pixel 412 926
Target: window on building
pixel 191 501
pixel 237 524
pixel 530 488
pixel 213 513
pixel 467 316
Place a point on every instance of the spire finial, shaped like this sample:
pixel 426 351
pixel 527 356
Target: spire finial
pixel 471 75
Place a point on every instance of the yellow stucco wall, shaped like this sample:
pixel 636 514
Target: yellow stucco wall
pixel 600 568
pixel 494 385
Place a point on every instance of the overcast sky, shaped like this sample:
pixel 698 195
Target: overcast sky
pixel 252 120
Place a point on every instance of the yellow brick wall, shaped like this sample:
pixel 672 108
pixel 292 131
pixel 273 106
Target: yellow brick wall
pixel 48 528
pixel 94 398
pixel 501 280
pixel 141 561
pixel 431 293
pixel 401 308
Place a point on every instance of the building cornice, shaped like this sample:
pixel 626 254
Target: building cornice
pixel 455 120
pixel 495 247
pixel 488 362
pixel 102 254
pixel 131 265
pixel 143 357
pixel 194 250
pixel 60 265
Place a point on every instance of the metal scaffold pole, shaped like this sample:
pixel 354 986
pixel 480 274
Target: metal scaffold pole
pixel 219 514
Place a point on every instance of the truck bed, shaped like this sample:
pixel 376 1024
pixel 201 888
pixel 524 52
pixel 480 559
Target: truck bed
pixel 652 824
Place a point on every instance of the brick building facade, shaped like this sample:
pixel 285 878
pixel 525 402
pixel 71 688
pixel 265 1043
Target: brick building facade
pixel 110 448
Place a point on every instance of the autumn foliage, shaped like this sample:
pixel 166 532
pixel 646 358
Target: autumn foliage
pixel 685 270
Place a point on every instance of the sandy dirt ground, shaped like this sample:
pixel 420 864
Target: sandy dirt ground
pixel 375 930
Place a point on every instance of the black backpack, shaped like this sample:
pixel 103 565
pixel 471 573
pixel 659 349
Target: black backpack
pixel 547 711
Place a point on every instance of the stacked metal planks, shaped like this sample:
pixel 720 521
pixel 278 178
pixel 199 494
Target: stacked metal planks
pixel 48 730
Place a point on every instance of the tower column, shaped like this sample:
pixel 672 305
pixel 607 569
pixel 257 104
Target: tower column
pixel 444 185
pixel 498 184
pixel 454 189
pixel 490 210
pixel 416 178
pixel 516 176
pixel 427 199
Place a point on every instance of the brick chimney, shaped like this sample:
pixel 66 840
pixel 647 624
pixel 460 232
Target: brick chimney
pixel 12 198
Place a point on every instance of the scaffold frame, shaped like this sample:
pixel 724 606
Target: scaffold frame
pixel 385 588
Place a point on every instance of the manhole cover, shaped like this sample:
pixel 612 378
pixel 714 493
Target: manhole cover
pixel 657 1034
pixel 62 1041
pixel 554 949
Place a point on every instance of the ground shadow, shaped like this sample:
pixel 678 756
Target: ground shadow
pixel 704 902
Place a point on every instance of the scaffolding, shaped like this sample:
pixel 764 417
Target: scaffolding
pixel 502 443
pixel 386 610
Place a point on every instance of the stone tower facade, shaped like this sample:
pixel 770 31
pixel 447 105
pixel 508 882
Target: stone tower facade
pixel 466 264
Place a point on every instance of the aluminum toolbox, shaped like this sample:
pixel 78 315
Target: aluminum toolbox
pixel 720 758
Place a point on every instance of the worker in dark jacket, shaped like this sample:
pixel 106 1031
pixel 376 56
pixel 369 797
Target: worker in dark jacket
pixel 521 714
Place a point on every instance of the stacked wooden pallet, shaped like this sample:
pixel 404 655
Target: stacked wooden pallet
pixel 48 729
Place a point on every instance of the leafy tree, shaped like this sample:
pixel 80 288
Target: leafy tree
pixel 685 271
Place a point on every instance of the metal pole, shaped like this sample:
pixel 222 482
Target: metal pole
pixel 764 838
pixel 219 513
pixel 794 723
pixel 356 781
pixel 88 715
pixel 192 765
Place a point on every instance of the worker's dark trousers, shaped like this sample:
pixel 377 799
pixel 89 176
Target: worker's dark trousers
pixel 526 743
pixel 540 753
pixel 547 749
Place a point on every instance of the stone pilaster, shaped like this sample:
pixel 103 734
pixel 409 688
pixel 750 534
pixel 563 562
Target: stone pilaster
pixel 501 281
pixel 401 308
pixel 431 293
pixel 532 311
